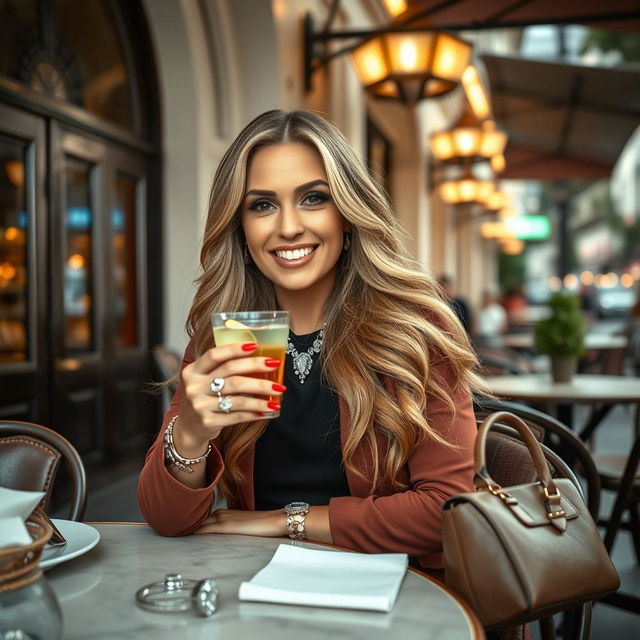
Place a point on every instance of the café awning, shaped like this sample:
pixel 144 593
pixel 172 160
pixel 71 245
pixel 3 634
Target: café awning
pixel 456 15
pixel 564 121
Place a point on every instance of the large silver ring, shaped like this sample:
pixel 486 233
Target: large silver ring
pixel 217 385
pixel 176 593
pixel 224 403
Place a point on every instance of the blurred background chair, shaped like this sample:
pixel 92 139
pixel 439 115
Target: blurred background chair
pixel 30 456
pixel 494 365
pixel 619 473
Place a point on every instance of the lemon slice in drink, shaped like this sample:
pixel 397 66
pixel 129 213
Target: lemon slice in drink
pixel 242 332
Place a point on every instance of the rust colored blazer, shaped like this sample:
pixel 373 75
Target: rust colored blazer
pixel 379 521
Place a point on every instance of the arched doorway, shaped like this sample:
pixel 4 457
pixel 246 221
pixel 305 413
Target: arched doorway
pixel 80 223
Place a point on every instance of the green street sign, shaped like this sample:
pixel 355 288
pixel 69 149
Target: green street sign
pixel 529 227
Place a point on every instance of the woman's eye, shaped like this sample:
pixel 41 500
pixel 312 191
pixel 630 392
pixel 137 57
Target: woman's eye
pixel 261 206
pixel 315 198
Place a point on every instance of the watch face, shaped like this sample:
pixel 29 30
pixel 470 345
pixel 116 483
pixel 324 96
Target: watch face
pixel 294 508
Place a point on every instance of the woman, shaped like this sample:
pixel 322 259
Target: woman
pixel 380 432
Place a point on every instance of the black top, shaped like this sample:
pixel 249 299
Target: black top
pixel 299 457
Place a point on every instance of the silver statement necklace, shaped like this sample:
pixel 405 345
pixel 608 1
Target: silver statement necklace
pixel 302 362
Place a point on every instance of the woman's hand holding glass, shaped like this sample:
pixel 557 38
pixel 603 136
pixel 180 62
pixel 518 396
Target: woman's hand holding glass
pixel 204 413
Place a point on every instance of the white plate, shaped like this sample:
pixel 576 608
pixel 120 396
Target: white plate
pixel 80 539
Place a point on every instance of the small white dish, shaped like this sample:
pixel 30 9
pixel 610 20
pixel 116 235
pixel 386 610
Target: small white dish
pixel 80 538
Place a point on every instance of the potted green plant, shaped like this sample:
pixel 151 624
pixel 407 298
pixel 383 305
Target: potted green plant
pixel 561 335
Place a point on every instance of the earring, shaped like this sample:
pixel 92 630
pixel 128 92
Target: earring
pixel 246 256
pixel 347 241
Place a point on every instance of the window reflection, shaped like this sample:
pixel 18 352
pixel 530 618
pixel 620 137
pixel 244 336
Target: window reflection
pixel 78 272
pixel 123 224
pixel 13 252
pixel 71 50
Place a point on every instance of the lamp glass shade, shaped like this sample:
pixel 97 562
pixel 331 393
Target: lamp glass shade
pixel 513 246
pixel 476 94
pixel 467 141
pixel 498 163
pixel 387 89
pixel 451 57
pixel 485 189
pixel 442 146
pixel 494 230
pixel 449 192
pixel 465 191
pixel 395 7
pixel 507 212
pixel 493 143
pixel 409 53
pixel 497 200
pixel 370 63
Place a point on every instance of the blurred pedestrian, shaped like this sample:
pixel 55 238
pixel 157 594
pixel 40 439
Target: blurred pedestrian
pixel 491 320
pixel 458 304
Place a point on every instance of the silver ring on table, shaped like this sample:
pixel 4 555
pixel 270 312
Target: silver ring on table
pixel 225 403
pixel 217 385
pixel 177 594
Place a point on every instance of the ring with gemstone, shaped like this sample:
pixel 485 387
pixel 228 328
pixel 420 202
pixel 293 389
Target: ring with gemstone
pixel 217 385
pixel 224 403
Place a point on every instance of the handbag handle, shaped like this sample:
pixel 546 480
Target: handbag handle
pixel 483 480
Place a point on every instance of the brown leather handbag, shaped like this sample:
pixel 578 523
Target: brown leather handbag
pixel 519 553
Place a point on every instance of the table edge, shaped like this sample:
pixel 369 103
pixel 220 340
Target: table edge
pixel 477 630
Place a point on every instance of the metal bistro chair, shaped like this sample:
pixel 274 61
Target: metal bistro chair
pixel 509 463
pixel 621 473
pixel 30 456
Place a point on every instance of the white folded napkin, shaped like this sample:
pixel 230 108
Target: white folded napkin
pixel 328 579
pixel 15 507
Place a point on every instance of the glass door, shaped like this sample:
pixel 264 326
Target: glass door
pixel 22 286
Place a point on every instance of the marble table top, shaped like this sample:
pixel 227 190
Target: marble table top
pixel 583 388
pixel 96 593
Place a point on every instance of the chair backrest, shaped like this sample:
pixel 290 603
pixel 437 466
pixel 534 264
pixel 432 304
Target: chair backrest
pixel 560 437
pixel 494 365
pixel 30 455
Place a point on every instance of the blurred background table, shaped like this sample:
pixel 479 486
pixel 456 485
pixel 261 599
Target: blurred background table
pixel 539 389
pixel 593 341
pixel 96 593
pixel 588 389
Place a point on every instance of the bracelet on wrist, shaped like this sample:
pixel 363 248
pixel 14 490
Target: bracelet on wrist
pixel 173 458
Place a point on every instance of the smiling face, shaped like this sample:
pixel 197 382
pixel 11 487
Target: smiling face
pixel 293 229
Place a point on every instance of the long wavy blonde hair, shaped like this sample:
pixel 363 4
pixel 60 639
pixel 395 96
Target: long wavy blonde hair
pixel 385 318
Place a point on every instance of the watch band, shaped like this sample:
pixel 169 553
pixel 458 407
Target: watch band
pixel 296 514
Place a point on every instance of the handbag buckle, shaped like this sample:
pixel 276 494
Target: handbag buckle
pixel 505 496
pixel 552 513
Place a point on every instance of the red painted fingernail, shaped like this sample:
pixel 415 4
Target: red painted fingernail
pixel 272 362
pixel 273 405
pixel 250 346
pixel 278 387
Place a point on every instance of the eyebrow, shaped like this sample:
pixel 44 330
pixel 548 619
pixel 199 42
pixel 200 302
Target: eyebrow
pixel 302 187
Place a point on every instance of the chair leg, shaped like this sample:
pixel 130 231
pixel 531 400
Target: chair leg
pixel 597 416
pixel 547 628
pixel 624 494
pixel 634 519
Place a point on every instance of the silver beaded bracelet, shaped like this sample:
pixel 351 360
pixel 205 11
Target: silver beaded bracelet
pixel 173 458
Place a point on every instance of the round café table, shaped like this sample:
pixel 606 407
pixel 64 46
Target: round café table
pixel 96 593
pixel 540 389
pixel 588 389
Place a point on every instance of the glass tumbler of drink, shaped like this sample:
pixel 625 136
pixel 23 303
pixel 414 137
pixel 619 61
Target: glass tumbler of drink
pixel 269 329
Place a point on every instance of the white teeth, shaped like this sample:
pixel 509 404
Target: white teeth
pixel 295 254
